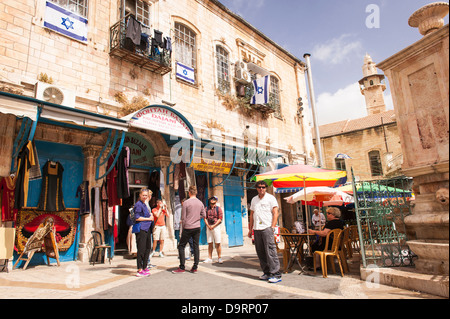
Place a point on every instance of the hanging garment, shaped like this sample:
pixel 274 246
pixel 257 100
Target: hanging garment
pixel 107 219
pixel 134 30
pixel 123 163
pixel 25 160
pixel 111 182
pixel 35 170
pixel 95 204
pixel 51 199
pixel 202 184
pixel 7 189
pixel 83 194
pixel 168 44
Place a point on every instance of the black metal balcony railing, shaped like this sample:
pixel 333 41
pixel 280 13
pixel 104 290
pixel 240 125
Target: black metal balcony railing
pixel 146 55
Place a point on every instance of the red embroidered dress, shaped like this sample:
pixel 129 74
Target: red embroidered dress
pixel 7 189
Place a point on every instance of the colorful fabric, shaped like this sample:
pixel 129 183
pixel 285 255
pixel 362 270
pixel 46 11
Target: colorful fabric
pixel 7 189
pixel 65 223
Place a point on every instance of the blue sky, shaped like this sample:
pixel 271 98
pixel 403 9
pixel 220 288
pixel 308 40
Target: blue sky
pixel 337 37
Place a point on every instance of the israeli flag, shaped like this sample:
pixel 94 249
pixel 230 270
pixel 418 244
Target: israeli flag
pixel 65 22
pixel 261 91
pixel 185 73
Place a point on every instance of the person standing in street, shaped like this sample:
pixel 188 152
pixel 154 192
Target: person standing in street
pixel 144 220
pixel 192 212
pixel 263 220
pixel 159 231
pixel 213 219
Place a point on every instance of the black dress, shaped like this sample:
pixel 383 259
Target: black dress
pixel 51 199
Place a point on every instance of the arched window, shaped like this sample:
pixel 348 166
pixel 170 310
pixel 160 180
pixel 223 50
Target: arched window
pixel 185 46
pixel 375 163
pixel 274 96
pixel 223 69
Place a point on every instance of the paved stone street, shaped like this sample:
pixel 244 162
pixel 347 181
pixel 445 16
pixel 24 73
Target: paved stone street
pixel 236 278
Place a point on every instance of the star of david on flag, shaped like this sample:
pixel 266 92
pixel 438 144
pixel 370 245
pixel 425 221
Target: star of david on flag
pixel 65 22
pixel 261 88
pixel 185 73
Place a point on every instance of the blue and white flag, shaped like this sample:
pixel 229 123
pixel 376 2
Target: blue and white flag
pixel 261 89
pixel 185 73
pixel 65 22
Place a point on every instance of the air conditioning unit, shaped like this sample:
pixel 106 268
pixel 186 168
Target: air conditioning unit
pixel 54 94
pixel 242 75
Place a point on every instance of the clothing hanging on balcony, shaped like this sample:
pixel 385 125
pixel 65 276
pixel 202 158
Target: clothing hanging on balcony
pixel 134 30
pixel 168 44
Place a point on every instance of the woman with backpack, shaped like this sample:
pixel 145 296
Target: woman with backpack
pixel 143 230
pixel 213 219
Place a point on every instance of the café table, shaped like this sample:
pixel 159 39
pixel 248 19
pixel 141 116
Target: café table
pixel 295 242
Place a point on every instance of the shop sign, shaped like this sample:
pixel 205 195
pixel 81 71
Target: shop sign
pixel 141 151
pixel 161 120
pixel 205 165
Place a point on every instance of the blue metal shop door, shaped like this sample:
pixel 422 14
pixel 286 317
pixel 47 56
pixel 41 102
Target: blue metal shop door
pixel 233 191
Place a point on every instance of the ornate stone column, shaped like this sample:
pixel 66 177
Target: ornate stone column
pixel 419 77
pixel 90 152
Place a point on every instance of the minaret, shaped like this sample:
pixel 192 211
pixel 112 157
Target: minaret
pixel 372 87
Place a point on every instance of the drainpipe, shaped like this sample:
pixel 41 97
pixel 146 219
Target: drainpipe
pixel 313 108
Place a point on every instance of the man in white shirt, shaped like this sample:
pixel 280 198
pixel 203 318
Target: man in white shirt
pixel 263 220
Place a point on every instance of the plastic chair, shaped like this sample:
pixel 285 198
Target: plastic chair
pixel 99 247
pixel 336 234
pixel 354 238
pixel 346 243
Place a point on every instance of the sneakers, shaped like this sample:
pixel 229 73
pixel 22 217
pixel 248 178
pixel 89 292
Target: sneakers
pixel 143 273
pixel 193 271
pixel 220 261
pixel 274 280
pixel 178 271
pixel 207 261
pixel 161 255
pixel 264 277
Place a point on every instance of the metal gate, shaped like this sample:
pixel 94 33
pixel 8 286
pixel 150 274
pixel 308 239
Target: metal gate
pixel 381 206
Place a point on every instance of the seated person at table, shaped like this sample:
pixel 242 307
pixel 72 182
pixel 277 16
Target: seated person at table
pixel 334 222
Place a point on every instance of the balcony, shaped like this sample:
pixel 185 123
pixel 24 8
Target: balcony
pixel 147 55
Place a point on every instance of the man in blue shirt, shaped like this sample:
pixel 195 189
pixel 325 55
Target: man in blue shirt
pixel 144 236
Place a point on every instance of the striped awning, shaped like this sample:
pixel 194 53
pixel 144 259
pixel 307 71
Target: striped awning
pixel 256 156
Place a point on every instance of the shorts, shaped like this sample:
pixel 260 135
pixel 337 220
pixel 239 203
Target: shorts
pixel 213 235
pixel 159 233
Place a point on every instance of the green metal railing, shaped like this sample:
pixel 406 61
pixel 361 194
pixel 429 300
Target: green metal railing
pixel 381 207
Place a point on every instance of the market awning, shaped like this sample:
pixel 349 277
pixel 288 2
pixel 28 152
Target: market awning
pixel 22 106
pixel 162 119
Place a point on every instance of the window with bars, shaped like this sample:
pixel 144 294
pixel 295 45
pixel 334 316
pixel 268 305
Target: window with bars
pixel 274 95
pixel 185 46
pixel 79 7
pixel 223 69
pixel 140 9
pixel 375 163
pixel 340 164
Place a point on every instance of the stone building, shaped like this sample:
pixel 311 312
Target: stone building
pixel 86 79
pixel 371 145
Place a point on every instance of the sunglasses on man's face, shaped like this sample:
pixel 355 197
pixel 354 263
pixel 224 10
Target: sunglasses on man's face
pixel 261 187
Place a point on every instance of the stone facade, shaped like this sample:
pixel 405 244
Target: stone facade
pixel 31 54
pixel 375 134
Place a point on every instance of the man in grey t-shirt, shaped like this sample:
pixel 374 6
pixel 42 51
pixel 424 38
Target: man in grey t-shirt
pixel 191 214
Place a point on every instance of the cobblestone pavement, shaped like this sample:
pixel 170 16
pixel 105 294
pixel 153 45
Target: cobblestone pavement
pixel 236 278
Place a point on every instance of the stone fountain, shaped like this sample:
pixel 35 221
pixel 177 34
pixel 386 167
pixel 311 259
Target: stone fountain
pixel 419 80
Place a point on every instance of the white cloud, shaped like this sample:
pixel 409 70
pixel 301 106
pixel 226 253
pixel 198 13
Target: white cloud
pixel 338 50
pixel 346 103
